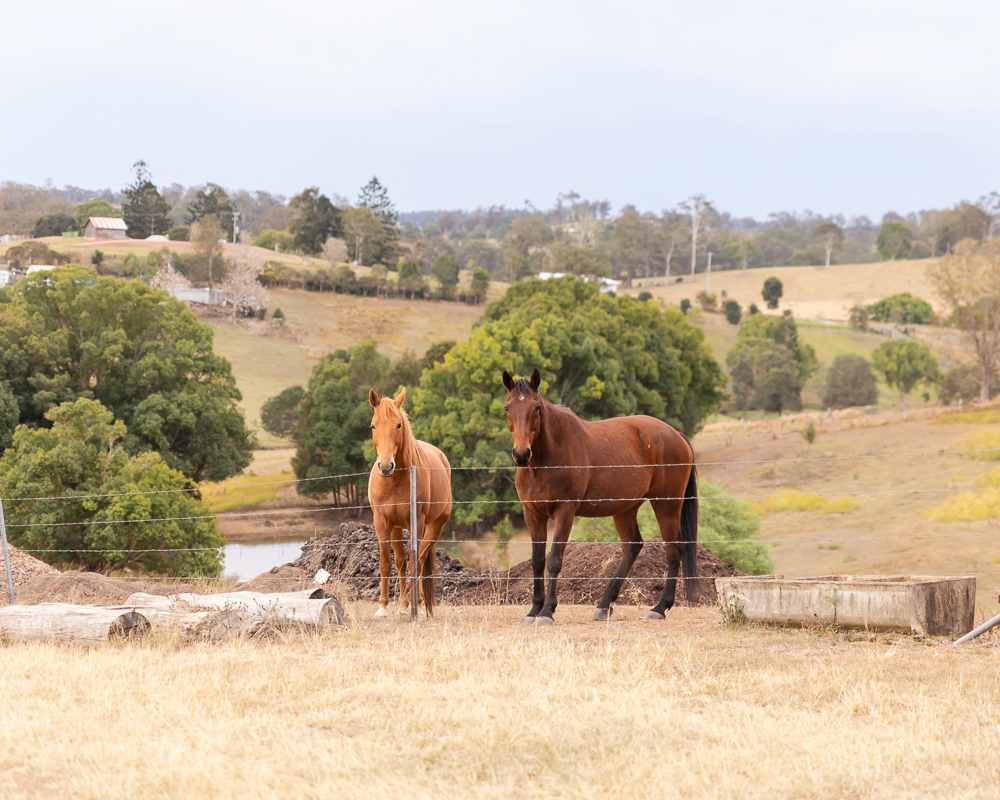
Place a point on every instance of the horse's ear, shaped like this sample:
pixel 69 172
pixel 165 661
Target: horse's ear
pixel 536 380
pixel 373 398
pixel 508 381
pixel 400 398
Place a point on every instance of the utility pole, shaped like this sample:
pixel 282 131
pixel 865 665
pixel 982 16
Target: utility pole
pixel 708 273
pixel 236 227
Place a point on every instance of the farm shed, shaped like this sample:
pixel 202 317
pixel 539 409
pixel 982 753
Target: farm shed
pixel 105 228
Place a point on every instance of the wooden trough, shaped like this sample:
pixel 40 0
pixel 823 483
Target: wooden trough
pixel 919 604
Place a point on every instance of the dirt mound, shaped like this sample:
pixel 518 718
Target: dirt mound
pixel 350 555
pixel 583 578
pixel 23 568
pixel 91 588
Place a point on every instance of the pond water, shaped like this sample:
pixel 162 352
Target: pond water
pixel 246 560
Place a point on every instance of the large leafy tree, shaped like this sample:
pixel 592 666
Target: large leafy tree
pixel 69 334
pixel 769 365
pixel 850 382
pixel 212 200
pixel 904 363
pixel 894 239
pixel 334 417
pixel 9 415
pixel 145 211
pixel 82 454
pixel 280 415
pixel 53 225
pixel 314 220
pixel 602 356
pixel 95 207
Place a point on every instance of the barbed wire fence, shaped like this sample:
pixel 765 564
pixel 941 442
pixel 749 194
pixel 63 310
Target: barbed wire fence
pixel 409 537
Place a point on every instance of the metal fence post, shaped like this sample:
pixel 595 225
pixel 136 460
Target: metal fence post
pixel 7 566
pixel 415 590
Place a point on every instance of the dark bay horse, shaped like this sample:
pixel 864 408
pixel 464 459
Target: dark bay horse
pixel 569 467
pixel 397 450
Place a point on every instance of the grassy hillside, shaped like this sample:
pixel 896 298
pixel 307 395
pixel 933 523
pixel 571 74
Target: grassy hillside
pixel 823 293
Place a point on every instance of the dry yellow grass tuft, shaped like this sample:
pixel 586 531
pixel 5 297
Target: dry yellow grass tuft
pixel 982 446
pixel 974 416
pixel 794 500
pixel 474 704
pixel 243 491
pixel 968 507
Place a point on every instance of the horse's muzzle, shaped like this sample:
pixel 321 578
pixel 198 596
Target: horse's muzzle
pixel 386 472
pixel 521 457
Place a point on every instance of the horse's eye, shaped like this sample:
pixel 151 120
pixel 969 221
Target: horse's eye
pixel 400 425
pixel 373 429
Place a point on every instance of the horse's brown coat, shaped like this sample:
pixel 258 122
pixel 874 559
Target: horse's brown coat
pixel 389 496
pixel 569 467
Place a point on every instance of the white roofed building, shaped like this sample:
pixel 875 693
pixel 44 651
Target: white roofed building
pixel 106 228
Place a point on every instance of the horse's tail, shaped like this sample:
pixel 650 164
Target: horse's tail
pixel 689 526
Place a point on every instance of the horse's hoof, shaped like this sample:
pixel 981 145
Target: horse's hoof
pixel 603 614
pixel 653 614
pixel 382 612
pixel 528 620
pixel 540 620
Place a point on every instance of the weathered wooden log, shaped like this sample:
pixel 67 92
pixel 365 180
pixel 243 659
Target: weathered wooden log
pixel 164 616
pixel 254 607
pixel 66 622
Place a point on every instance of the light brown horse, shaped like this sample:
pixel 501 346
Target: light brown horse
pixel 569 467
pixel 396 452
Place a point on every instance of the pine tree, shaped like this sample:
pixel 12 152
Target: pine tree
pixel 144 209
pixel 375 196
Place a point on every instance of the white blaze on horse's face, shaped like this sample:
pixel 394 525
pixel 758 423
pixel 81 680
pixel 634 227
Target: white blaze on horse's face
pixel 524 420
pixel 387 430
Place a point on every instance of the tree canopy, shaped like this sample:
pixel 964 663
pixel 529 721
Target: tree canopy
pixel 904 363
pixel 769 365
pixel 314 220
pixel 82 453
pixel 603 356
pixel 53 225
pixel 212 200
pixel 145 211
pixel 69 333
pixel 850 382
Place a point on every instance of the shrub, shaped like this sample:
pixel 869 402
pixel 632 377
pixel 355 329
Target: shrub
pixel 706 300
pixel 904 363
pixel 274 239
pixel 280 414
pixel 753 309
pixel 771 291
pixel 644 295
pixel 685 306
pixel 97 258
pixel 53 225
pixel 902 307
pixel 727 526
pixel 733 312
pixel 850 382
pixel 179 233
pixel 858 318
pixel 278 316
pixel 28 253
pixel 960 384
pixel 809 432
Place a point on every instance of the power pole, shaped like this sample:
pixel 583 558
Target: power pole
pixel 236 227
pixel 708 273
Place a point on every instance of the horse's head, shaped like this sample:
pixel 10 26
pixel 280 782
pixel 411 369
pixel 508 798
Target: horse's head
pixel 388 429
pixel 524 414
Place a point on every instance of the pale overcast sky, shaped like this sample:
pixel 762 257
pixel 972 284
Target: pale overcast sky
pixel 833 106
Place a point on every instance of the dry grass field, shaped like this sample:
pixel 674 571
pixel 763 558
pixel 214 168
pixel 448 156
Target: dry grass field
pixel 475 705
pixel 824 293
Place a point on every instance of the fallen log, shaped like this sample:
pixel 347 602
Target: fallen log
pixel 65 622
pixel 312 607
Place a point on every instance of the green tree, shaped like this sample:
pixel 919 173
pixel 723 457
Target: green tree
pixel 894 239
pixel 960 384
pixel 573 259
pixel 28 253
pixel 732 311
pixel 314 220
pixel 769 365
pixel 206 236
pixel 685 306
pixel 212 200
pixel 53 225
pixel 10 413
pixel 144 209
pixel 445 269
pixel 70 333
pixel 522 254
pixel 410 280
pixel 832 237
pixel 280 415
pixel 375 195
pixel 83 453
pixel 278 240
pixel 850 382
pixel 902 307
pixel 365 233
pixel 772 291
pixel 904 363
pixel 95 207
pixel 603 356
pixel 480 283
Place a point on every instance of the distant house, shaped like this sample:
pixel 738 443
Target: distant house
pixel 105 228
pixel 606 285
pixel 6 278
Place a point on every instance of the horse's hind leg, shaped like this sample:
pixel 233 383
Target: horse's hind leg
pixel 668 515
pixel 426 562
pixel 628 532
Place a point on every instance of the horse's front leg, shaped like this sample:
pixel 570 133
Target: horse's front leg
pixel 538 528
pixel 399 551
pixel 382 532
pixel 563 524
